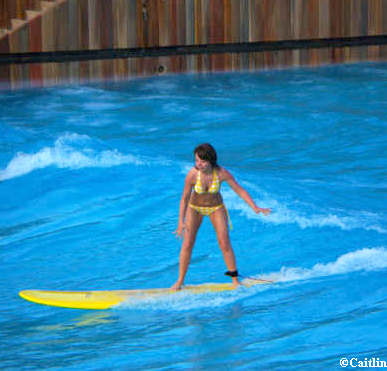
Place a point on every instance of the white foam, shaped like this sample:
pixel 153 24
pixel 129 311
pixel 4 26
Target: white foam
pixel 69 151
pixel 281 214
pixel 367 259
pixel 183 300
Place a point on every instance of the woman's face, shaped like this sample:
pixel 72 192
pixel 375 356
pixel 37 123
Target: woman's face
pixel 202 165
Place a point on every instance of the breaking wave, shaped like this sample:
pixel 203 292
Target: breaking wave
pixel 367 259
pixel 72 151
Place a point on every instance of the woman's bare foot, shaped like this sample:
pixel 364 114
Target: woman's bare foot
pixel 235 283
pixel 177 286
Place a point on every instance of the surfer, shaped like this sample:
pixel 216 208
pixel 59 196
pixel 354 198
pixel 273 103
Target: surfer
pixel 201 197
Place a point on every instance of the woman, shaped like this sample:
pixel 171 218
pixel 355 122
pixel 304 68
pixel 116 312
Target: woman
pixel 205 199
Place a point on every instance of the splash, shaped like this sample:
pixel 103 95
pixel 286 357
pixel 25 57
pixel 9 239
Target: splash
pixel 72 151
pixel 281 214
pixel 184 300
pixel 367 259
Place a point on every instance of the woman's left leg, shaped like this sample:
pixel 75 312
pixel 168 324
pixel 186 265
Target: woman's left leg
pixel 219 221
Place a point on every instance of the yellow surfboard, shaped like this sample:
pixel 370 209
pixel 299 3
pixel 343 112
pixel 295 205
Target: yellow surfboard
pixel 109 299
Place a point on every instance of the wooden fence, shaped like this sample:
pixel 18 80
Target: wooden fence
pixel 108 24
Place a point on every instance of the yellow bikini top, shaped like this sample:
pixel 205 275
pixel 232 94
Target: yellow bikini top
pixel 214 187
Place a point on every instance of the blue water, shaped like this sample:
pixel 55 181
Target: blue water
pixel 91 179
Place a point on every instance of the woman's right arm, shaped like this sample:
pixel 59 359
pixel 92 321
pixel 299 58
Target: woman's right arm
pixel 188 184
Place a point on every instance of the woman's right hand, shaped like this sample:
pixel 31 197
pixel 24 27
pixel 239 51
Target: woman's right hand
pixel 179 231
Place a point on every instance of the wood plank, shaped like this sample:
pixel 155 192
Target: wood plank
pixel 227 32
pixel 383 48
pixel 4 44
pixel 375 17
pixel 73 26
pixel 5 16
pixel 173 22
pixel 359 26
pixel 105 23
pixel 151 26
pixel 216 33
pixel 313 19
pixel 337 27
pixel 45 5
pixel 374 26
pixel 12 11
pixel 5 71
pixel 19 42
pixel 384 19
pixel 313 31
pixel 20 9
pixel 62 30
pixel 244 21
pixel 283 19
pixel 35 45
pixel 83 21
pixel 324 20
pixel 141 13
pixel 257 22
pixel 270 24
pixel 364 18
pixel 235 28
pixel 50 70
pixel 354 19
pixel 132 24
pixel 94 26
pixel 190 23
pixel 164 30
pixel 336 13
pixel 227 21
pixel 180 23
pixel 303 13
pixel 324 29
pixel 120 24
pixel 216 27
pixel 295 19
pixel 203 21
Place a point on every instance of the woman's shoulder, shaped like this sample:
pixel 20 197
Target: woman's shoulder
pixel 192 173
pixel 223 173
pixel 193 170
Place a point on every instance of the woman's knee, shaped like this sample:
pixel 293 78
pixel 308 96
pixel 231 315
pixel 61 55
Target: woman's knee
pixel 188 242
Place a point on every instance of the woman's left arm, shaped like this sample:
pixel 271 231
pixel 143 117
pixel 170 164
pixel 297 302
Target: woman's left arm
pixel 242 193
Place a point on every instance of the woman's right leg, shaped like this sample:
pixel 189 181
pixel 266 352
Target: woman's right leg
pixel 193 220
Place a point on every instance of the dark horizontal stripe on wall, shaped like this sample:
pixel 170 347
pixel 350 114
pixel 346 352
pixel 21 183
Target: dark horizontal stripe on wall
pixel 86 55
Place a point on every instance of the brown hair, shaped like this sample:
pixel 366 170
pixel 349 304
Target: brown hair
pixel 207 152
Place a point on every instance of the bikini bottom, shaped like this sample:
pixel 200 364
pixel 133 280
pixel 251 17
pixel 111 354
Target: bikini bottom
pixel 208 210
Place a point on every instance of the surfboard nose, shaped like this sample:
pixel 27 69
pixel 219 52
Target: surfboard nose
pixel 72 299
